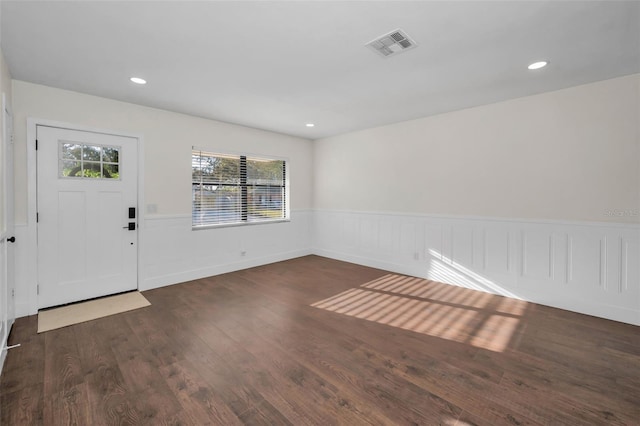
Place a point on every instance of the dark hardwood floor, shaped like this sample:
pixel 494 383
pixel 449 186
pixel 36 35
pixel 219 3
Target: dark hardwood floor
pixel 313 341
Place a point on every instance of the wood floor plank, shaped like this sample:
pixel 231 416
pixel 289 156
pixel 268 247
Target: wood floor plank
pixel 239 395
pixel 153 337
pixel 110 400
pixel 156 407
pixel 264 414
pixel 490 416
pixel 69 406
pixel 199 400
pixel 22 407
pixel 314 341
pixel 63 369
pixel 564 407
pixel 552 375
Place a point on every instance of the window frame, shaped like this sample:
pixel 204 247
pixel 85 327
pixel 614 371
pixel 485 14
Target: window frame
pixel 244 188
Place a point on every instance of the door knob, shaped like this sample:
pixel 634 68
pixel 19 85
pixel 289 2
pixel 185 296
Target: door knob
pixel 12 239
pixel 130 227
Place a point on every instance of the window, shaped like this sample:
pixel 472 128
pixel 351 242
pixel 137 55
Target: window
pixel 237 189
pixel 77 160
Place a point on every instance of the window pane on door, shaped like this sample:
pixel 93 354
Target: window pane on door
pixel 88 161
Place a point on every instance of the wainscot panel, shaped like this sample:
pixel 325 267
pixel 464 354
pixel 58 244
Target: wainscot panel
pixel 591 268
pixel 172 252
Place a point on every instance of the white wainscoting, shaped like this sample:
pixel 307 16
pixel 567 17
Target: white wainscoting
pixel 592 268
pixel 172 253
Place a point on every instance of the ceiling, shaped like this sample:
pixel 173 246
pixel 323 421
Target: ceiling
pixel 278 65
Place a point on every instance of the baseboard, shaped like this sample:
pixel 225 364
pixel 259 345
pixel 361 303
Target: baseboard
pixel 414 271
pixel 195 274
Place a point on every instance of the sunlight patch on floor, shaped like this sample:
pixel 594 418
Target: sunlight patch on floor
pixel 428 307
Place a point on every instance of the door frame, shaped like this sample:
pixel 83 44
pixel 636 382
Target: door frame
pixel 7 312
pixel 32 227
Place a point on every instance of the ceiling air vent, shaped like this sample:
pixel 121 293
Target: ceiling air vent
pixel 396 41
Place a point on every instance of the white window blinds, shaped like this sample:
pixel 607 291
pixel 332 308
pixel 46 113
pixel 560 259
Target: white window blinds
pixel 237 189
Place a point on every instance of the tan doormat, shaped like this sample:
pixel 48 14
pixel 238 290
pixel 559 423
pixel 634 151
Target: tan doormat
pixel 51 319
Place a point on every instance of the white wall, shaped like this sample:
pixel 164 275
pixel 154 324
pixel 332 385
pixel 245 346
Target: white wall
pixel 170 251
pixel 572 154
pixel 536 198
pixel 168 138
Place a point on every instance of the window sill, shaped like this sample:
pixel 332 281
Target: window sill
pixel 237 224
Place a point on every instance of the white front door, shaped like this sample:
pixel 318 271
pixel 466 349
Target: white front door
pixel 87 215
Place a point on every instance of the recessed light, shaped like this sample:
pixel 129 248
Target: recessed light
pixel 138 80
pixel 309 124
pixel 538 65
